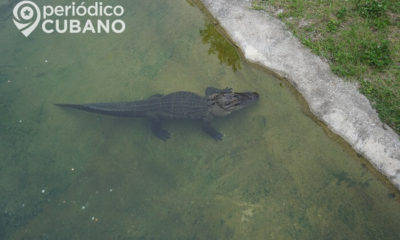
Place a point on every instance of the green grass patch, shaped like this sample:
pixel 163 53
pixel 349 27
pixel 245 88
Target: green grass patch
pixel 371 8
pixel 332 25
pixel 341 13
pixel 259 4
pixel 385 100
pixel 376 54
pixel 359 38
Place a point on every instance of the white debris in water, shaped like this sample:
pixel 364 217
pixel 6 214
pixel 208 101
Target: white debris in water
pixel 20 121
pixel 23 205
pixel 46 61
pixel 8 81
pixel 72 169
pixel 83 207
pixel 111 190
pixel 43 190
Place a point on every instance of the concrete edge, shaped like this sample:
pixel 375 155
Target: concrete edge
pixel 265 40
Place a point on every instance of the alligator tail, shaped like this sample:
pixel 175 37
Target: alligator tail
pixel 104 108
pixel 76 106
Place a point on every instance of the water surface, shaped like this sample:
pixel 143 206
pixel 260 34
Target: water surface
pixel 66 174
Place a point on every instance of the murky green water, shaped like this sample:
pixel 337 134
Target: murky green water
pixel 67 174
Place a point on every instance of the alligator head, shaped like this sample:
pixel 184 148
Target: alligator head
pixel 222 104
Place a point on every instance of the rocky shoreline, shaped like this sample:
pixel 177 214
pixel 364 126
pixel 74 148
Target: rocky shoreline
pixel 266 41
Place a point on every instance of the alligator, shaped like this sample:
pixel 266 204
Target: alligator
pixel 177 105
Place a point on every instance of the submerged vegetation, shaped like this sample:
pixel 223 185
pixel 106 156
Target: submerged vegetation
pixel 226 52
pixel 359 38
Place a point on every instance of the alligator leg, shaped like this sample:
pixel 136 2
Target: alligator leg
pixel 210 130
pixel 157 130
pixel 212 90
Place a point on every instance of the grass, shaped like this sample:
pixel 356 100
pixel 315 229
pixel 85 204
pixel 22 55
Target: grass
pixel 259 5
pixel 359 38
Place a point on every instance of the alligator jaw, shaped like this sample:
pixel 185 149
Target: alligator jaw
pixel 222 104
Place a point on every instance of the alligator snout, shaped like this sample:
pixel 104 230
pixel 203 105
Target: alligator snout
pixel 247 98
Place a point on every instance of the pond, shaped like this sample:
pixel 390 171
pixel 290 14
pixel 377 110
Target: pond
pixel 68 174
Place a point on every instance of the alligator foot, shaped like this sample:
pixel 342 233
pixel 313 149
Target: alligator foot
pixel 210 130
pixel 212 90
pixel 159 132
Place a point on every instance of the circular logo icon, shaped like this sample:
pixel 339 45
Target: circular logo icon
pixel 26 17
